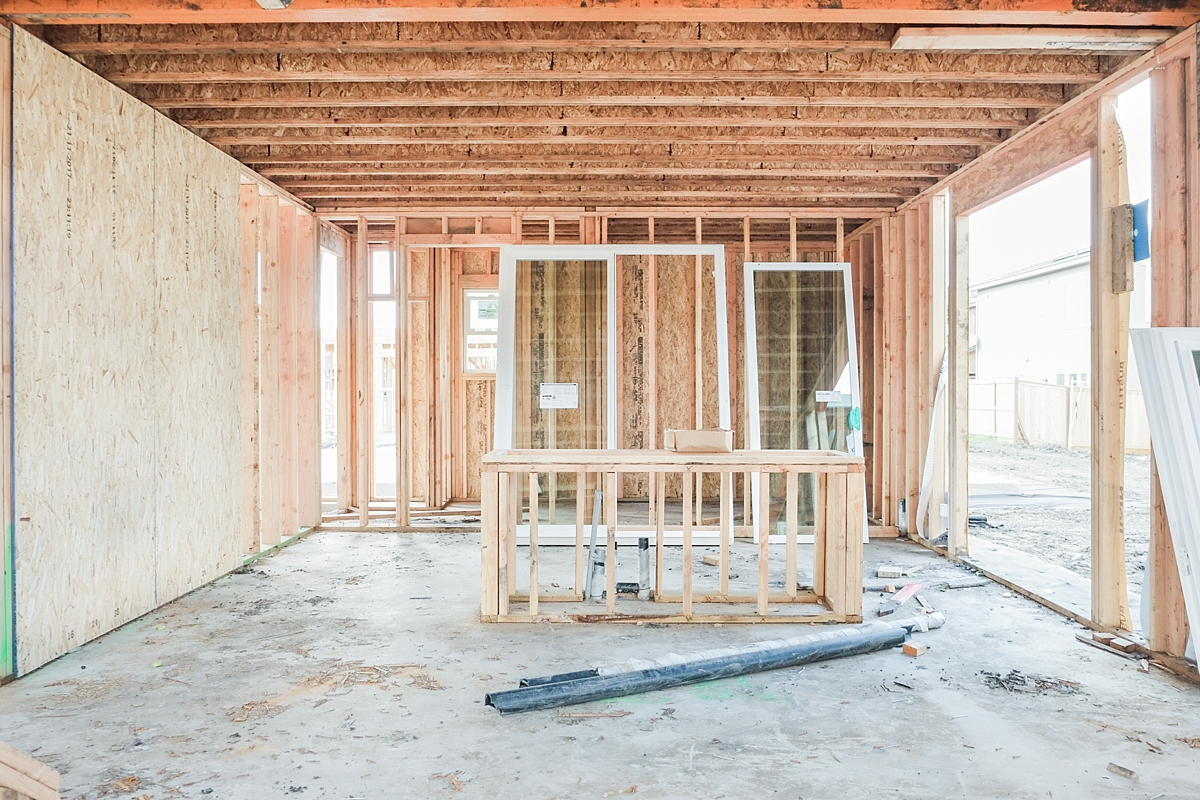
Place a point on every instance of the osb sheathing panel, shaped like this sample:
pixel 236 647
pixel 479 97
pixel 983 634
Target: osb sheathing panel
pixel 476 262
pixel 126 362
pixel 420 371
pixel 1056 144
pixel 479 397
pixel 635 362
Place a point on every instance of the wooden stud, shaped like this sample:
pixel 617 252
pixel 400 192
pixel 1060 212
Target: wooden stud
pixel 698 366
pixel 506 551
pixel 850 603
pixel 793 489
pixel 1170 290
pixel 288 350
pixel 308 370
pixel 404 422
pixel 764 541
pixel 490 526
pixel 958 310
pixel 792 238
pixel 251 520
pixel 581 504
pixel 345 382
pixel 364 430
pixel 726 528
pixel 938 328
pixel 1110 342
pixel 841 239
pixel 270 420
pixel 911 396
pixel 610 564
pixel 820 534
pixel 835 556
pixel 533 544
pixel 658 480
pixel 685 513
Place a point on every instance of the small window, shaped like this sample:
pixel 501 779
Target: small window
pixel 381 272
pixel 481 330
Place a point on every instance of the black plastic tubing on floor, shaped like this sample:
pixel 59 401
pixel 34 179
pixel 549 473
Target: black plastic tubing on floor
pixel 603 687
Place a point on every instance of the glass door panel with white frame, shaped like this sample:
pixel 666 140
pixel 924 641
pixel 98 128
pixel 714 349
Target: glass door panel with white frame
pixel 802 368
pixel 560 355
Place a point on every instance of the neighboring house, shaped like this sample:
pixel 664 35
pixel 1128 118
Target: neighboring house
pixel 1031 353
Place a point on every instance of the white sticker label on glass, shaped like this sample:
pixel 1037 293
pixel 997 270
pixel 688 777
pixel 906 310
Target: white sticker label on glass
pixel 829 397
pixel 559 395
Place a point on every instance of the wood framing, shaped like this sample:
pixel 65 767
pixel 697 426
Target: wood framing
pixel 914 12
pixel 1110 345
pixel 1176 278
pixel 838 559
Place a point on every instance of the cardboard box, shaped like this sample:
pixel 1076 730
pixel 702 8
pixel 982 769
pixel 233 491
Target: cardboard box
pixel 714 440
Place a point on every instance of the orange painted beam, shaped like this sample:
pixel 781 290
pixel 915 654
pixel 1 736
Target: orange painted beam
pixel 983 12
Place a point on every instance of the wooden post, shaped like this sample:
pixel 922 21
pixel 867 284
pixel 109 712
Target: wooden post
pixel 938 256
pixel 363 356
pixel 834 552
pixel 841 239
pixel 764 540
pixel 580 519
pixel 698 367
pixel 659 484
pixel 793 489
pixel 533 544
pixel 404 424
pixel 288 398
pixel 1110 342
pixel 820 506
pixel 851 546
pixel 308 369
pixel 685 513
pixel 726 528
pixel 489 522
pixel 610 564
pixel 878 382
pixel 508 514
pixel 1172 279
pixel 271 420
pixel 251 519
pixel 911 396
pixel 958 381
pixel 345 381
pixel 894 341
pixel 792 238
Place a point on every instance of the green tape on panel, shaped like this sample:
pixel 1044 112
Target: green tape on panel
pixel 7 652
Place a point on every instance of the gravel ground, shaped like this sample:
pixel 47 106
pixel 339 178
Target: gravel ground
pixel 1059 535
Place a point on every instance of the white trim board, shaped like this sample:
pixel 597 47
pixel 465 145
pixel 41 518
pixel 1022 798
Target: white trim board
pixel 1171 388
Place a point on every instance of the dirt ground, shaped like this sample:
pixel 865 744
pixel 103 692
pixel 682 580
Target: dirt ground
pixel 1058 535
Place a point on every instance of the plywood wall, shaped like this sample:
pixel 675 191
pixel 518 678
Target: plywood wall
pixel 126 356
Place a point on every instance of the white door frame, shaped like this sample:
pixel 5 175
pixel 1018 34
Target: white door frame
pixel 751 317
pixel 751 267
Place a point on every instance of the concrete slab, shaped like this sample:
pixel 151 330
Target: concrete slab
pixel 352 665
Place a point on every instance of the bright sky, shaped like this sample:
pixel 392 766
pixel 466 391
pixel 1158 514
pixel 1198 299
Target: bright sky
pixel 1053 217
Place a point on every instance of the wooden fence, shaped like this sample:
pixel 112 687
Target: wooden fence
pixel 1031 412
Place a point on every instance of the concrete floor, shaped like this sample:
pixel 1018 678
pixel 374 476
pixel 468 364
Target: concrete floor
pixel 351 665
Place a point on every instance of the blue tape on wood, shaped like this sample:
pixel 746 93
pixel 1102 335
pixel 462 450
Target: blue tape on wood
pixel 1141 231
